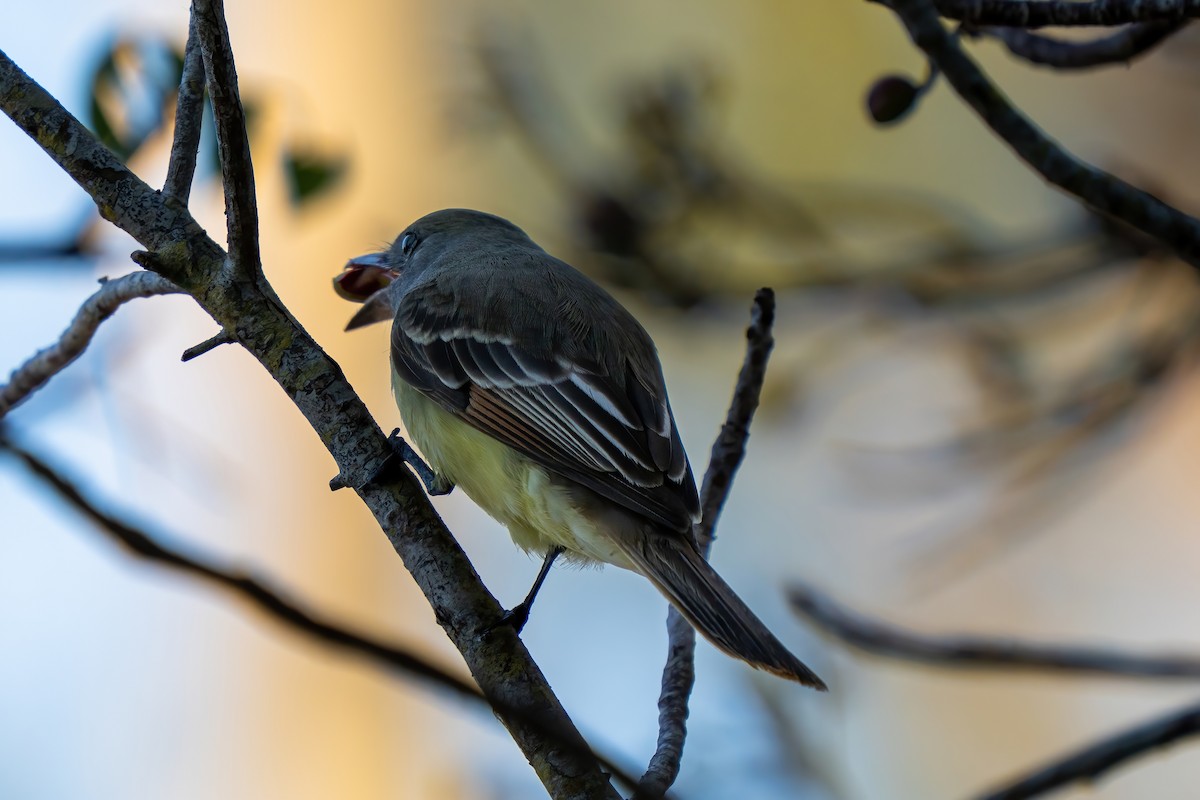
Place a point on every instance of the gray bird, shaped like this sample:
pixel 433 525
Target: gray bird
pixel 533 389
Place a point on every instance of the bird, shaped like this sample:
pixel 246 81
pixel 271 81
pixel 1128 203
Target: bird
pixel 527 385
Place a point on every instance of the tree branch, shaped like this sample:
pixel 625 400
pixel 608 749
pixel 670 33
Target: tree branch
pixel 463 607
pixel 679 673
pixel 730 447
pixel 233 144
pixel 1089 763
pixel 1117 48
pixel 250 589
pixel 1098 189
pixel 978 652
pixel 189 111
pixel 1041 13
pixel 49 361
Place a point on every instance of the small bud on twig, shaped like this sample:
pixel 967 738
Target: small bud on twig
pixel 891 98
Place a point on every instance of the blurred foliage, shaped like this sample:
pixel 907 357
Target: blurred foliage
pixel 678 217
pixel 311 174
pixel 132 88
pixel 131 105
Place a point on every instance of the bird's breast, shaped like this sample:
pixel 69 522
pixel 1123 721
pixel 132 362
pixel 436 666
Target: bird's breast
pixel 539 509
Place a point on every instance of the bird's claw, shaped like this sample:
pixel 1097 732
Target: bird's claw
pixel 403 453
pixel 514 618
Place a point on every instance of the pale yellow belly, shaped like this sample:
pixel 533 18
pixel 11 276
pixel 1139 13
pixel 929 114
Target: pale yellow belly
pixel 538 510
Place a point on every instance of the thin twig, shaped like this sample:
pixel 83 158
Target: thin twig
pixel 261 595
pixel 1103 192
pixel 141 544
pixel 979 652
pixel 49 361
pixel 1089 763
pixel 189 111
pixel 233 143
pixel 209 344
pixel 1117 48
pixel 730 446
pixel 1041 13
pixel 679 673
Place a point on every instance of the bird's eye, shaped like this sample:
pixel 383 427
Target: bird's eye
pixel 408 243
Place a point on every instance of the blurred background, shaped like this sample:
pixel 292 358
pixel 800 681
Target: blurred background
pixel 977 418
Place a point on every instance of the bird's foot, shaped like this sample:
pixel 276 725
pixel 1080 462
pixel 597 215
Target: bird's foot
pixel 518 615
pixel 514 618
pixel 402 453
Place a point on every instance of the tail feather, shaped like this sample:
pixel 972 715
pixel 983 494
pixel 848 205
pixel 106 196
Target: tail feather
pixel 712 608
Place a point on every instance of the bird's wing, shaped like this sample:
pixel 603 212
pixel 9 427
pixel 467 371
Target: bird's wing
pixel 610 433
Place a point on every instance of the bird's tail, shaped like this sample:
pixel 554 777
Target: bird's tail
pixel 707 602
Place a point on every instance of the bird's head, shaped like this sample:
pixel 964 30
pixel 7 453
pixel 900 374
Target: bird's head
pixel 442 240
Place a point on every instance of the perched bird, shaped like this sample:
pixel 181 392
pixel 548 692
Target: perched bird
pixel 533 389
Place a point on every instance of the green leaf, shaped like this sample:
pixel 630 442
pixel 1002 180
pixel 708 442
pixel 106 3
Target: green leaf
pixel 310 174
pixel 130 90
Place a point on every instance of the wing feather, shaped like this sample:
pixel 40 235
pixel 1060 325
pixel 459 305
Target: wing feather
pixel 604 429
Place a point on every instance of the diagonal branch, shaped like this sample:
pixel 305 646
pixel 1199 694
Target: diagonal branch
pixel 245 586
pixel 49 361
pixel 233 144
pixel 189 111
pixel 1041 13
pixel 1116 48
pixel 1101 191
pixel 979 652
pixel 679 673
pixel 462 605
pixel 1091 762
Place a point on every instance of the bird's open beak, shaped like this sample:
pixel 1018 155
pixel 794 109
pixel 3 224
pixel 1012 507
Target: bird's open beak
pixel 365 280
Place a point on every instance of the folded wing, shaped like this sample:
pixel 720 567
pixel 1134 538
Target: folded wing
pixel 609 432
